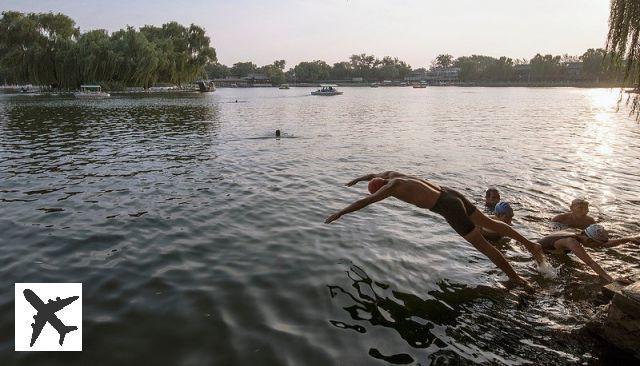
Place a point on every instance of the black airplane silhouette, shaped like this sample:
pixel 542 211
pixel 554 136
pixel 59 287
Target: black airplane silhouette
pixel 46 313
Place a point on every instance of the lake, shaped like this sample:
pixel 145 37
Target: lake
pixel 199 237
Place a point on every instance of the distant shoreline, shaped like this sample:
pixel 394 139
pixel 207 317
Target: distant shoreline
pixel 466 84
pixel 11 89
pixel 569 84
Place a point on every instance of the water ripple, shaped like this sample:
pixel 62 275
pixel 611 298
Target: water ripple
pixel 199 239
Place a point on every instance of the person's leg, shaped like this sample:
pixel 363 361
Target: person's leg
pixel 453 210
pixel 476 239
pixel 480 219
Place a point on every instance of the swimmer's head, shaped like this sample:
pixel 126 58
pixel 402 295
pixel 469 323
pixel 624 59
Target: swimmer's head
pixel 491 197
pixel 579 207
pixel 504 212
pixel 595 234
pixel 375 184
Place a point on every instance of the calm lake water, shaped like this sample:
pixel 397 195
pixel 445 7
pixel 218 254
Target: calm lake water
pixel 199 238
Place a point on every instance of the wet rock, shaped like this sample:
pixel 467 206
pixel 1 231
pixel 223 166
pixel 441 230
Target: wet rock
pixel 621 326
pixel 611 289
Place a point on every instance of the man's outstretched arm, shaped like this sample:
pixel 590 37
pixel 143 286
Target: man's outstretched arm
pixel 389 174
pixel 579 251
pixel 615 242
pixel 365 178
pixel 381 194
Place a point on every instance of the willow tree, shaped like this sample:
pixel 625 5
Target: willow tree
pixel 48 49
pixel 136 58
pixel 623 42
pixel 37 48
pixel 183 51
pixel 96 60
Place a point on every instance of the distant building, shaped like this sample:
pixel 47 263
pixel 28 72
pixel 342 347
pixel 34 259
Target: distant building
pixel 574 69
pixel 258 78
pixel 416 76
pixel 250 80
pixel 444 74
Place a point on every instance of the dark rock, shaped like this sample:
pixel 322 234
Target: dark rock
pixel 622 324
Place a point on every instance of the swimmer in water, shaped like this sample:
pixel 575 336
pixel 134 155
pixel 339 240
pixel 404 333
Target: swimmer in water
pixel 578 217
pixel 491 198
pixel 593 236
pixel 277 133
pixel 503 212
pixel 461 214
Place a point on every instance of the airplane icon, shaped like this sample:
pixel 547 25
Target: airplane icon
pixel 46 313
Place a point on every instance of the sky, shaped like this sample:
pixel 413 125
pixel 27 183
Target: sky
pixel 415 31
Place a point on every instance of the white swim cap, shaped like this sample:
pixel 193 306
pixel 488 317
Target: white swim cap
pixel 597 233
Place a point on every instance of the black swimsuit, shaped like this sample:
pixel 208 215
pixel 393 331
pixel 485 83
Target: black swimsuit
pixel 548 243
pixel 456 209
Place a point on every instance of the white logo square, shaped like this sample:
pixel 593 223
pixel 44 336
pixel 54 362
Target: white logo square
pixel 48 316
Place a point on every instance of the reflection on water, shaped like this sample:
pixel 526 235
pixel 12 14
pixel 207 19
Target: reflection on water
pixel 199 237
pixel 418 321
pixel 456 324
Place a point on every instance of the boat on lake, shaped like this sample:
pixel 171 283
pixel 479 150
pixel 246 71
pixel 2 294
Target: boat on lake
pixel 327 90
pixel 205 86
pixel 91 92
pixel 283 86
pixel 419 86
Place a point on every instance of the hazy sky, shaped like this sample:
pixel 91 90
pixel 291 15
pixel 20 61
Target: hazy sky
pixel 413 30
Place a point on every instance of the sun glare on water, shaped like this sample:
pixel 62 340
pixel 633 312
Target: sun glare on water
pixel 601 132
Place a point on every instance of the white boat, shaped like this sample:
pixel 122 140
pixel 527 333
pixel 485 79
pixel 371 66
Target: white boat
pixel 327 90
pixel 284 86
pixel 419 86
pixel 91 92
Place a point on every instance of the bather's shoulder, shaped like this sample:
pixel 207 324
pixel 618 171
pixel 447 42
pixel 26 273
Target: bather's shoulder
pixel 562 218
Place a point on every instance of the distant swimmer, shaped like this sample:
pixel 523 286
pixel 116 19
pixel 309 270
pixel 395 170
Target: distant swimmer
pixel 277 133
pixel 503 212
pixel 461 214
pixel 593 236
pixel 577 217
pixel 491 198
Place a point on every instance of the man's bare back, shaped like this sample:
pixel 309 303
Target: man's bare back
pixel 572 220
pixel 414 191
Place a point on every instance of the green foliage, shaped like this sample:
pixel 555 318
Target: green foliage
pixel 623 43
pixel 546 68
pixel 391 69
pixel 217 70
pixel 624 34
pixel 342 71
pixel 442 61
pixel 241 69
pixel 275 72
pixel 36 47
pixel 312 71
pixel 364 66
pixel 47 49
pixel 541 68
pixel 596 66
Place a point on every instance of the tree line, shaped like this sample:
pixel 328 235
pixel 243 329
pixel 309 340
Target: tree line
pixel 274 71
pixel 48 49
pixel 363 66
pixel 595 65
